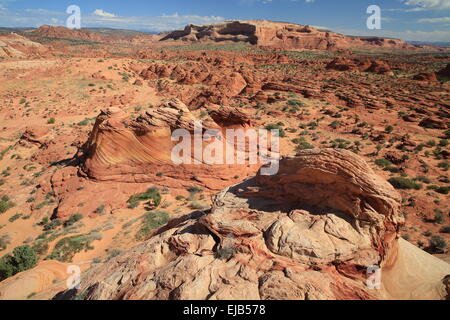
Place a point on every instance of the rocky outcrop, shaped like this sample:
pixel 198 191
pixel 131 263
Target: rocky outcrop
pixel 445 72
pixel 347 64
pixel 122 150
pixel 309 232
pixel 426 76
pixel 16 46
pixel 279 35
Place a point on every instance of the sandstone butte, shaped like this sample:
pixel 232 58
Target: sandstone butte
pixel 280 35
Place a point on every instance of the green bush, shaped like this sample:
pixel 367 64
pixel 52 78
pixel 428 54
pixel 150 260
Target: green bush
pixel 15 217
pixel 22 258
pixel 66 248
pixel 439 217
pixel 152 195
pixel 438 244
pixel 444 165
pixel 150 222
pixel 51 121
pixel 383 163
pixel 225 253
pixel 6 204
pixel 5 240
pixel 73 219
pixel 423 179
pixel 404 183
pixel 278 127
pixel 445 229
pixel 438 189
pixel 389 129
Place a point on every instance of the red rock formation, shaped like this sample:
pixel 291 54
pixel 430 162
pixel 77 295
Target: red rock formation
pixel 279 35
pixel 342 64
pixel 445 72
pixel 308 232
pixel 123 150
pixel 16 46
pixel 426 76
pixel 373 66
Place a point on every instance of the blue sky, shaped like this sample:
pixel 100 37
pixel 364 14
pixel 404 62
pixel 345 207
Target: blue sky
pixel 421 20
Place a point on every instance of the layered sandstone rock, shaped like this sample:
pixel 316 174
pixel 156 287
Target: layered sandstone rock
pixel 123 150
pixel 309 232
pixel 16 46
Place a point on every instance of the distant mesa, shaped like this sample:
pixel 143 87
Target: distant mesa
pixel 283 36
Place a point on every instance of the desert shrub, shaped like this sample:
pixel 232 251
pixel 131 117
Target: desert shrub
pixel 404 183
pixel 438 189
pixel 193 191
pixel 22 258
pixel 114 253
pixel 302 144
pixel 198 206
pixel 225 253
pixel 444 165
pixel 15 217
pixel 423 179
pixel 5 204
pixel 278 127
pixel 2 182
pixel 443 143
pixel 73 219
pixel 52 225
pixel 66 248
pixel 447 134
pixel 445 229
pixel 389 129
pixel 437 244
pixel 439 217
pixel 383 163
pixel 100 210
pixel 83 123
pixel 150 222
pixel 40 246
pixel 5 240
pixel 51 121
pixel 152 195
pixel 336 124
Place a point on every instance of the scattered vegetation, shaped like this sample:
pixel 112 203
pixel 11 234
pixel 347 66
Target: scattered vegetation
pixel 6 204
pixel 66 248
pixel 404 183
pixel 22 258
pixel 152 195
pixel 150 222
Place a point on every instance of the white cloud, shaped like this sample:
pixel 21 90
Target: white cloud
pixel 434 20
pixel 424 5
pixel 102 13
pixel 407 35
